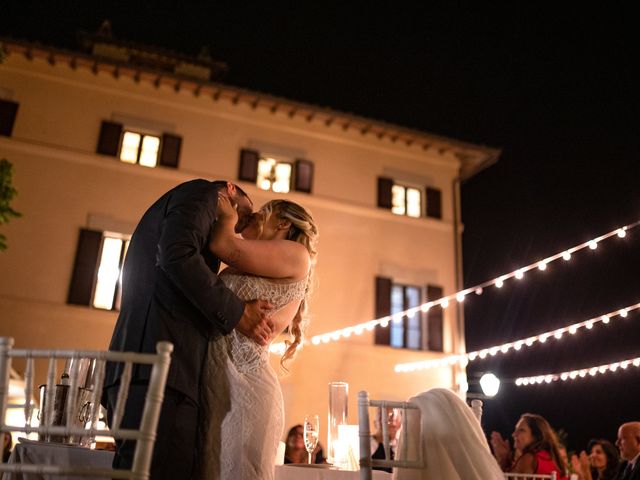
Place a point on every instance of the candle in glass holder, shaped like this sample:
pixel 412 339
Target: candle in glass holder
pixel 338 401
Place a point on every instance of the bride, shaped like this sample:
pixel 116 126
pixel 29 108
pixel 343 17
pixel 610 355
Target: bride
pixel 241 399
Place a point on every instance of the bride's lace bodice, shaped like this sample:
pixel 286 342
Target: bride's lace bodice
pixel 250 287
pixel 245 353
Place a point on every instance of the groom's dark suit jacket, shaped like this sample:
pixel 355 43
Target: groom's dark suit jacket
pixel 171 290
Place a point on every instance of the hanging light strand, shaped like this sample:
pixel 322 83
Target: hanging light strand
pixel 581 373
pixel 516 345
pixel 459 297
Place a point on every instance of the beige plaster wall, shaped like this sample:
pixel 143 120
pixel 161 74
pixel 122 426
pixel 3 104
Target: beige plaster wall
pixel 63 184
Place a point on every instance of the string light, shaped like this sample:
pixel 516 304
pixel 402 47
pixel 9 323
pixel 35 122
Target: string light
pixel 557 334
pixel 443 302
pixel 581 373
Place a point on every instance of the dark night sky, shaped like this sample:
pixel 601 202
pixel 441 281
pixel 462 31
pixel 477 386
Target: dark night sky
pixel 554 90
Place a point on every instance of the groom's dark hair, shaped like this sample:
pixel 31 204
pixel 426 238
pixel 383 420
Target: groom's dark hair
pixel 223 183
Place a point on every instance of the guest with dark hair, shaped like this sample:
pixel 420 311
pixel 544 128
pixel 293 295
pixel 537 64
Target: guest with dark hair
pixel 294 450
pixel 7 444
pixel 537 446
pixel 601 463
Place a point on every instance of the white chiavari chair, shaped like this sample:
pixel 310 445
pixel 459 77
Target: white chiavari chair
pixel 476 408
pixel 144 436
pixel 366 462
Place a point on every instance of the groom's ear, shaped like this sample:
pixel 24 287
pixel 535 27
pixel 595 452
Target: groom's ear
pixel 231 189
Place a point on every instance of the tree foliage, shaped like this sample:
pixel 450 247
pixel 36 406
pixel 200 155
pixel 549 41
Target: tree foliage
pixel 7 193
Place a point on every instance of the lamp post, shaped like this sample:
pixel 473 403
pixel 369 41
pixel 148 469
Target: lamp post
pixel 489 384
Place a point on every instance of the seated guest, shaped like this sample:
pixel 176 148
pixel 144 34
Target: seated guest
pixel 6 447
pixel 294 450
pixel 453 444
pixel 601 463
pixel 537 446
pixel 377 445
pixel 629 445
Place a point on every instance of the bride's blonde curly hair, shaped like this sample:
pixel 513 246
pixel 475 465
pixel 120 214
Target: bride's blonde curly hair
pixel 303 230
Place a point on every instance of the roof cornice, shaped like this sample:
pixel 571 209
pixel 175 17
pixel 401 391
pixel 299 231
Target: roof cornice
pixel 473 158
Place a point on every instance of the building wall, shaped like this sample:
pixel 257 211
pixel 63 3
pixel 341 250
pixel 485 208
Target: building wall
pixel 64 186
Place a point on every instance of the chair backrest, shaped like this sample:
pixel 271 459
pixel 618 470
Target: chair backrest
pixel 476 407
pixel 61 421
pixel 366 462
pixel 530 476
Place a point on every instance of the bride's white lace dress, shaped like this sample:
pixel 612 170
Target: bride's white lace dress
pixel 241 399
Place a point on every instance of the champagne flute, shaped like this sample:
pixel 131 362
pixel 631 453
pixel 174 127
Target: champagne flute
pixel 311 433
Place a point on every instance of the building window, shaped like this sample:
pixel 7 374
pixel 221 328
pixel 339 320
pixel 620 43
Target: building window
pixel 97 274
pixel 8 111
pixel 407 200
pixel 408 332
pixel 140 148
pixel 108 289
pixel 422 331
pixel 276 175
pixel 137 147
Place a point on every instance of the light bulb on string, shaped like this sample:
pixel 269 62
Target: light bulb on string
pixel 498 281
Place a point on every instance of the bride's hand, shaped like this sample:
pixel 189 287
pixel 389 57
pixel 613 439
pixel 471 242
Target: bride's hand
pixel 226 211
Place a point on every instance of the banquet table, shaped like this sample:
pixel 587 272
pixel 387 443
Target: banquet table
pixel 30 452
pixel 301 472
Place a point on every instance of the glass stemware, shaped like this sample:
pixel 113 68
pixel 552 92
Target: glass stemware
pixel 311 433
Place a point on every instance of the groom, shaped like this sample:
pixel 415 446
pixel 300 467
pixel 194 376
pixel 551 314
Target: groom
pixel 171 291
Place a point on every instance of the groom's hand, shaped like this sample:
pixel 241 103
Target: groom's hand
pixel 256 322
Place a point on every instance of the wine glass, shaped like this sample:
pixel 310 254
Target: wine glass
pixel 311 433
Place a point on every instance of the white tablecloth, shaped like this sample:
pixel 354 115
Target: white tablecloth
pixel 32 453
pixel 55 454
pixel 289 472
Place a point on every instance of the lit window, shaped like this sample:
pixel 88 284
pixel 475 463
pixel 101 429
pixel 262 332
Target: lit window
pixel 149 151
pixel 130 146
pixel 274 175
pixel 413 202
pixel 406 201
pixel 108 287
pixel 407 332
pixel 140 148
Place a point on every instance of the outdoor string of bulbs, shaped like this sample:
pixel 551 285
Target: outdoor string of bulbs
pixel 498 282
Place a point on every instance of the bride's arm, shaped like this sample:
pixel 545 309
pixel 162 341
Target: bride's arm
pixel 266 258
